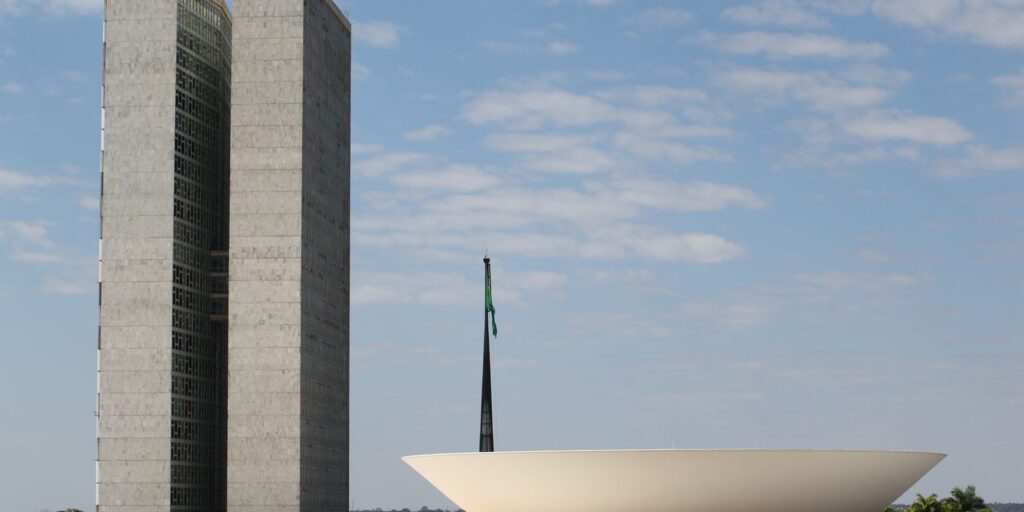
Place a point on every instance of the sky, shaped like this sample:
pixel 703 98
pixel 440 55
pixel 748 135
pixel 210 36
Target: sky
pixel 759 224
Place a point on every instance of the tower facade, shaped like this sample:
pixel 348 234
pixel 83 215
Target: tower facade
pixel 179 230
pixel 162 402
pixel 289 286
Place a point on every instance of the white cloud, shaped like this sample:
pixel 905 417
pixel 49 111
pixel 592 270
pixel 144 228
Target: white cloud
pixel 736 313
pixel 788 13
pixel 563 48
pixel 28 241
pixel 818 89
pixel 384 163
pixel 459 178
pixel 536 142
pixel 381 34
pixel 551 222
pixel 660 150
pixel 982 159
pixel 366 148
pixel 89 202
pixel 576 160
pixel 15 180
pixel 845 281
pixel 534 108
pixel 438 288
pixel 677 196
pixel 58 7
pixel 13 88
pixel 554 152
pixel 660 17
pixel 360 71
pixel 428 132
pixel 998 23
pixel 902 125
pixel 58 286
pixel 692 247
pixel 607 75
pixel 785 46
pixel 1014 86
pixel 655 95
pixel 504 46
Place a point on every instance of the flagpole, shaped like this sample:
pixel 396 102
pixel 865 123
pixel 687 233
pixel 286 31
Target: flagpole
pixel 486 418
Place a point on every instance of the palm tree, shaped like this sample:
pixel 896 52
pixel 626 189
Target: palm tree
pixel 930 503
pixel 965 500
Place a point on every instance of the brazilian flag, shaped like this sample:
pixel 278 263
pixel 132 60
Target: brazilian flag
pixel 489 304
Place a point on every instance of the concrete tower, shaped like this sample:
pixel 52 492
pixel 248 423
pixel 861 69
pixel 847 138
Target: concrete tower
pixel 174 431
pixel 162 423
pixel 289 254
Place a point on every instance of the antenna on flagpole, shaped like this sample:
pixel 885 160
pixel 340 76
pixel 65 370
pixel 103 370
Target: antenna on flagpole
pixel 486 411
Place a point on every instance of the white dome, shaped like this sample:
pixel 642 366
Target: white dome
pixel 675 480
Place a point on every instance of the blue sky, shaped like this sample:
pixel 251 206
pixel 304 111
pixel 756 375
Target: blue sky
pixel 765 224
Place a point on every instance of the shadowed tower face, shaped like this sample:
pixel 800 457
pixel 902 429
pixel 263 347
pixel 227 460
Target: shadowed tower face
pixel 289 286
pixel 162 425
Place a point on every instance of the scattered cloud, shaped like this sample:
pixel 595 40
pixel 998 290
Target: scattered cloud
pixel 786 46
pixel 54 7
pixel 797 299
pixel 89 202
pixel 534 108
pixel 981 159
pixel 903 125
pixel 359 149
pixel 60 286
pixel 735 313
pixel 380 34
pixel 873 256
pixel 1014 87
pixel 563 48
pixel 504 46
pixel 661 150
pixel 554 152
pixel 575 160
pixel 787 13
pixel 438 288
pixel 660 18
pixel 428 132
pixel 386 162
pixel 655 95
pixel 595 221
pixel 459 178
pixel 819 90
pixel 13 88
pixel 16 180
pixel 998 23
pixel 844 281
pixel 607 75
pixel 360 71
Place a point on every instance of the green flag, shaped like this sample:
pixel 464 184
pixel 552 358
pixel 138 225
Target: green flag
pixel 489 304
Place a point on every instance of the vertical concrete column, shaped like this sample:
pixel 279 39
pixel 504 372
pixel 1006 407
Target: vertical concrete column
pixel 265 257
pixel 289 258
pixel 136 232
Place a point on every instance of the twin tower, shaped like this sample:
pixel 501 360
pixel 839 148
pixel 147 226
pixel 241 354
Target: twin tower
pixel 224 257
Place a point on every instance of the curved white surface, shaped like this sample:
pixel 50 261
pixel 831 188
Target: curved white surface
pixel 675 480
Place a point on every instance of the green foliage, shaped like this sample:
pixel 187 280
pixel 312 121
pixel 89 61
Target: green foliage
pixel 965 500
pixel 928 503
pixel 959 500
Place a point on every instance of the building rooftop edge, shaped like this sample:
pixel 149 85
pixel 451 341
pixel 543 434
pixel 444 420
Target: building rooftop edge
pixel 341 16
pixel 223 7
